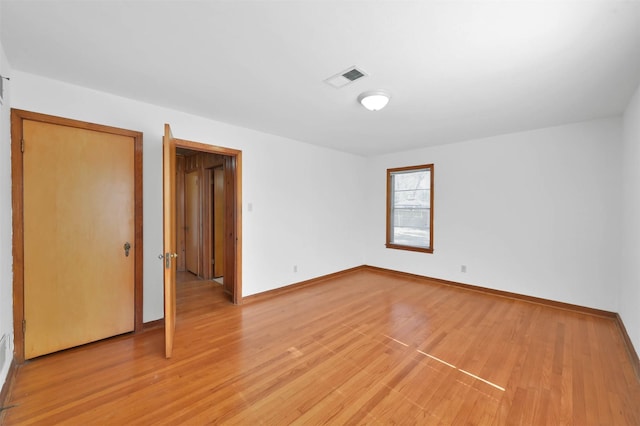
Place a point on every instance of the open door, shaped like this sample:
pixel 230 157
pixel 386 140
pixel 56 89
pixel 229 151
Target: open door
pixel 232 256
pixel 169 231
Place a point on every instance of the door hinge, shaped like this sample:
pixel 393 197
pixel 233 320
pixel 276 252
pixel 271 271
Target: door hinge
pixel 22 145
pixel 24 327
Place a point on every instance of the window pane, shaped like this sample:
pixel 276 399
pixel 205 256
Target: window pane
pixel 410 207
pixel 411 227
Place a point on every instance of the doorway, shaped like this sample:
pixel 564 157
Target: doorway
pixel 201 193
pixel 208 215
pixel 232 223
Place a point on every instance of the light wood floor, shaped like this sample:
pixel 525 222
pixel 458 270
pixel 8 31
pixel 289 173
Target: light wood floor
pixel 365 348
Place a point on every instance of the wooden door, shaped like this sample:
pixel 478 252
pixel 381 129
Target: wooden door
pixel 169 237
pixel 78 200
pixel 192 222
pixel 218 221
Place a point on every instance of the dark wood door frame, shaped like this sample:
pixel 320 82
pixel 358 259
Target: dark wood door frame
pixel 193 222
pixel 216 215
pixel 17 188
pixel 233 214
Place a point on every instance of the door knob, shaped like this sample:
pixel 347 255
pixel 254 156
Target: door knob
pixel 167 259
pixel 127 247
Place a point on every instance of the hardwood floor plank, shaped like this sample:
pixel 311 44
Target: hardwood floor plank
pixel 360 348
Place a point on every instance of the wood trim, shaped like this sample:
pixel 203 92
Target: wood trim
pixel 408 248
pixel 17 188
pixel 501 293
pixel 237 186
pixel 216 219
pixel 203 147
pixel 259 297
pixel 631 351
pixel 6 387
pixel 52 119
pixel 235 225
pixel 207 224
pixel 388 242
pixel 18 233
pixel 139 240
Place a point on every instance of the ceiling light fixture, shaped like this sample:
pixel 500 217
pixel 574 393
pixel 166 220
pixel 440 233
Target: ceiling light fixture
pixel 374 100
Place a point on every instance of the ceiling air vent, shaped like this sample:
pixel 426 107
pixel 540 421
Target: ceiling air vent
pixel 345 77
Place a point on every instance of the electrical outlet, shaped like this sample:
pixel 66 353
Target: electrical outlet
pixel 295 268
pixel 463 268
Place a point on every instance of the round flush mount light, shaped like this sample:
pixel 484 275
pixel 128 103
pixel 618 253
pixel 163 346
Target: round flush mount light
pixel 374 100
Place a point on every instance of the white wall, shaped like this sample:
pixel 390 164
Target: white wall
pixel 306 201
pixel 6 257
pixel 535 213
pixel 630 282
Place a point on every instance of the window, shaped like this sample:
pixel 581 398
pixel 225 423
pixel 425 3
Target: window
pixel 410 208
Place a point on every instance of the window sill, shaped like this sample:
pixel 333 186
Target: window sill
pixel 410 248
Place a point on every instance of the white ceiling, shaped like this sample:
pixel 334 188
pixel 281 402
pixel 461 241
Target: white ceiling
pixel 455 70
